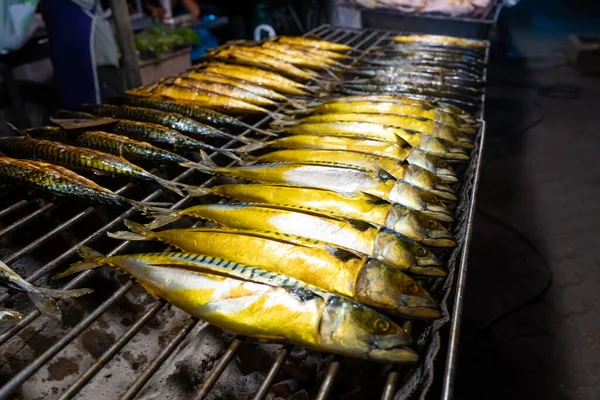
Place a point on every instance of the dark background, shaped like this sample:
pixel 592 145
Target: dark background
pixel 531 325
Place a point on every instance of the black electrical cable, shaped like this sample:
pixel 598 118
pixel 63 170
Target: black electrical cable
pixel 485 328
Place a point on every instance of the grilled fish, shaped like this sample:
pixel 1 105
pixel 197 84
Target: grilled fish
pixel 61 182
pixel 200 98
pixel 412 174
pixel 80 159
pixel 321 56
pixel 441 40
pixel 268 79
pixel 414 224
pixel 250 301
pixel 147 132
pixel 167 119
pixel 381 243
pixel 404 100
pixel 227 89
pixel 123 146
pixel 309 42
pixel 297 59
pixel 203 115
pixel 42 298
pixel 429 144
pixel 327 267
pixel 383 108
pixel 7 314
pixel 339 178
pixel 408 123
pixel 254 58
pixel 250 87
pixel 399 150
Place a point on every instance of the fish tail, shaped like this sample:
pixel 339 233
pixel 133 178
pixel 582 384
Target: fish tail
pixel 44 299
pixel 148 206
pixel 172 186
pixel 137 232
pixel 257 130
pixel 162 218
pixel 250 147
pixel 91 259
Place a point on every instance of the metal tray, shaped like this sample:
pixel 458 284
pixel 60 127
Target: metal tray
pixel 41 238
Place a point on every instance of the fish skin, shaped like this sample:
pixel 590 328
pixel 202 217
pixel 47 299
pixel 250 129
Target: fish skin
pixel 119 145
pixel 404 99
pixel 251 87
pixel 227 89
pixel 79 158
pixel 203 115
pixel 411 223
pixel 322 56
pixel 202 98
pixel 416 124
pixel 268 79
pixel 329 268
pixel 368 107
pixel 298 60
pixel 399 150
pixel 442 40
pixel 257 305
pixel 42 298
pixel 167 119
pixel 412 174
pixel 437 146
pixel 8 315
pixel 254 58
pixel 339 178
pixel 58 181
pixel 307 42
pixel 382 243
pixel 146 132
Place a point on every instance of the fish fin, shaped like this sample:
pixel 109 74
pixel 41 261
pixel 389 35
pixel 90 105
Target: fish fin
pixel 257 130
pixel 148 206
pixel 172 186
pixel 91 259
pixel 14 128
pixel 44 299
pixel 124 235
pixel 162 218
pixel 199 191
pixel 250 147
pixel 375 200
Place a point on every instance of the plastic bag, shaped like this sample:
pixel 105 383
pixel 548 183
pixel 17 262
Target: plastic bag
pixel 16 23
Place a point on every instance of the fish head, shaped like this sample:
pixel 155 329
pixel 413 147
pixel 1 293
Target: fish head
pixel 400 251
pixel 427 179
pixel 432 163
pixel 355 330
pixel 405 193
pixel 419 227
pixel 443 148
pixel 390 289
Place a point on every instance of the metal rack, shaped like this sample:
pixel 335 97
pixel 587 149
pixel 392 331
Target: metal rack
pixel 44 358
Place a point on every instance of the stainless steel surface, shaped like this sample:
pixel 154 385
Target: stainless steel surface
pixel 42 364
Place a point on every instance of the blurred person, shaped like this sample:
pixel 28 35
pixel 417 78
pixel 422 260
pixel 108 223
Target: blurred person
pixel 83 51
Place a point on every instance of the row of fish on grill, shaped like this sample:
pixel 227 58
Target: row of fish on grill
pixel 325 236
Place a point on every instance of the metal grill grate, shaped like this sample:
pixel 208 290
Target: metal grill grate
pixel 38 371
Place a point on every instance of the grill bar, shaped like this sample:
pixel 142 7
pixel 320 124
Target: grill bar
pixel 18 205
pixel 455 322
pixel 158 362
pixel 357 39
pixel 110 352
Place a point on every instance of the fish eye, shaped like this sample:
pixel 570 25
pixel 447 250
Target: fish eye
pixel 380 325
pixel 440 164
pixel 434 200
pixel 421 251
pixel 432 224
pixel 413 288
